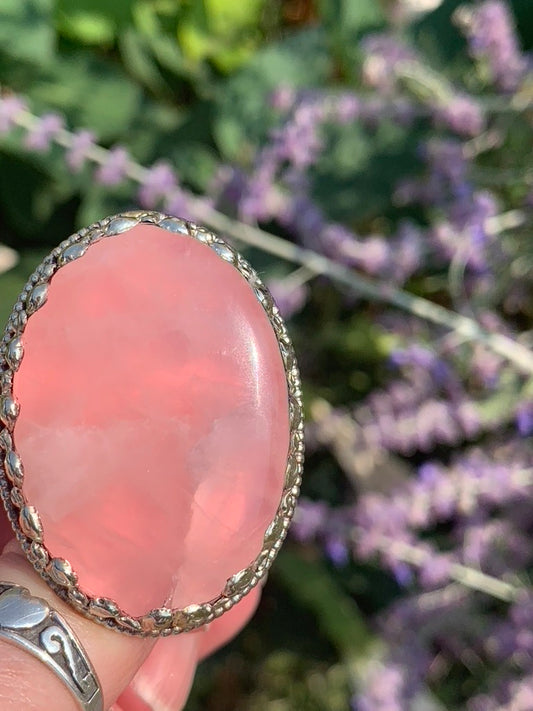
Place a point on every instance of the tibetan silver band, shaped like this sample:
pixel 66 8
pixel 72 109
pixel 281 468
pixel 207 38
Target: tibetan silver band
pixel 31 624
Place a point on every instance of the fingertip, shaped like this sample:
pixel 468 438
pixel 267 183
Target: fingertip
pixel 224 628
pixel 165 679
pixel 23 676
pixel 134 676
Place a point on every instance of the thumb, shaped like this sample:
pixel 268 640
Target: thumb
pixel 142 677
pixel 26 683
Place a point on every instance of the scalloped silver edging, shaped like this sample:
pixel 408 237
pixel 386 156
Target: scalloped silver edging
pixel 24 517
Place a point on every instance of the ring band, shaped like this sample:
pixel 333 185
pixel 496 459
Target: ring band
pixel 29 623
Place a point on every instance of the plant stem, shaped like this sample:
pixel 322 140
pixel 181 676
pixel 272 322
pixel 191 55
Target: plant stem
pixel 318 264
pixel 466 576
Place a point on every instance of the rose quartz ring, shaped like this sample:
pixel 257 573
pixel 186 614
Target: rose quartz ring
pixel 152 433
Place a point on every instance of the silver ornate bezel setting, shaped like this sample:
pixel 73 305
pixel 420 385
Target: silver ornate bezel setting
pixel 24 517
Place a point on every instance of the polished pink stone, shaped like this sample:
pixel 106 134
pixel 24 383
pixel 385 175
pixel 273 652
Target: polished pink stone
pixel 154 422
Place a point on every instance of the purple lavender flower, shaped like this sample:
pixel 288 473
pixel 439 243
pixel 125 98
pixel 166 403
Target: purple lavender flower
pixel 347 107
pixel 447 163
pixel 383 54
pixel 309 520
pixel 289 298
pixel 514 634
pixel 115 168
pixel 337 550
pixel 10 107
pixel 385 689
pixel 492 38
pixel 435 571
pixel 462 115
pixel 299 141
pixel 374 255
pixel 177 203
pixel 408 249
pixel 472 214
pixel 510 694
pixel 79 150
pixel 292 149
pixel 425 359
pixel 463 231
pixel 159 182
pixel 493 544
pixel 485 366
pixel 45 129
pixel 469 236
pixel 283 98
pixel 402 573
pixel 260 200
pixel 338 242
pixel 441 493
pixel 524 418
pixel 305 219
pixel 378 519
pixel 427 406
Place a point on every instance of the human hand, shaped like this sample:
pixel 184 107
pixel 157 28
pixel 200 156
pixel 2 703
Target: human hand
pixel 135 674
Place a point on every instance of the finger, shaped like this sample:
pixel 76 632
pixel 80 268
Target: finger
pixel 163 682
pixel 224 628
pixel 6 532
pixel 26 683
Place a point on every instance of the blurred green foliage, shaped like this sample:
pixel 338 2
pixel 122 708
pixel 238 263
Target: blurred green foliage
pixel 190 82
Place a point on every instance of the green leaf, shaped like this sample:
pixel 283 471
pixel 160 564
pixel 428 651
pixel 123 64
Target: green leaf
pixel 87 28
pixel 99 201
pixel 195 42
pixel 145 17
pixel 138 57
pixel 195 164
pixel 28 192
pixel 94 94
pixel 168 54
pixel 230 59
pixel 229 18
pixel 436 35
pixel 347 17
pixel 243 117
pixel 346 22
pixel 92 21
pixel 225 33
pixel 523 14
pixel 310 583
pixel 356 175
pixel 26 30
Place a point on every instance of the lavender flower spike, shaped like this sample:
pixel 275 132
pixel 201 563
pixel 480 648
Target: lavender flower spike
pixel 159 183
pixel 462 114
pixel 113 171
pixel 10 108
pixel 290 298
pixel 492 38
pixel 79 150
pixel 40 137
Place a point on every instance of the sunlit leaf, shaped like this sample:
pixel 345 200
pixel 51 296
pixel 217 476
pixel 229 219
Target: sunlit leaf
pixel 26 30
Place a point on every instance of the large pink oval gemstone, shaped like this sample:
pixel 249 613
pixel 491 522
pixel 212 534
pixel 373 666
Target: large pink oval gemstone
pixel 154 422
